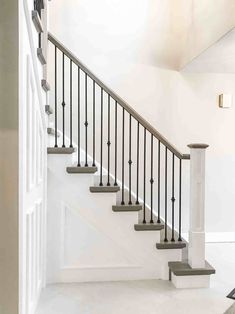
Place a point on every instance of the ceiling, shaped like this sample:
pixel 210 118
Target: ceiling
pixel 219 58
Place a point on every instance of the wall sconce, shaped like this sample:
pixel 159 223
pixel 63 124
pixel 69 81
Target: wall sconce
pixel 225 100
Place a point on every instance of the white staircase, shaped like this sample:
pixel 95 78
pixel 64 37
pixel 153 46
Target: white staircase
pixel 115 188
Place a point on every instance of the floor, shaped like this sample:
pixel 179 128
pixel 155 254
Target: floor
pixel 147 297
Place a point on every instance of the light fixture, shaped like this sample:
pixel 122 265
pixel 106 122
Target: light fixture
pixel 225 100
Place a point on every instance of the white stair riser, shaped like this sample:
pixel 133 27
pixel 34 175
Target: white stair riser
pixel 182 282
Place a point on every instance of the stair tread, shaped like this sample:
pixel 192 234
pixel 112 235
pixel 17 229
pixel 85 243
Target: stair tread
pixel 60 150
pixel 184 269
pixel 104 189
pixel 148 226
pixel 126 208
pixel 170 245
pixel 37 21
pixel 41 56
pixel 45 85
pixel 48 109
pixel 51 131
pixel 81 169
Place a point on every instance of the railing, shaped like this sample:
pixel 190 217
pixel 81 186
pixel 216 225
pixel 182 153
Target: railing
pixel 113 118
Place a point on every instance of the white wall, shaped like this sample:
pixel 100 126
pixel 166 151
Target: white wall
pixel 216 59
pixel 152 32
pixel 129 46
pixel 208 20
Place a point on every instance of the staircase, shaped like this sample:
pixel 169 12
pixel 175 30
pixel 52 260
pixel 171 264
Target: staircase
pixel 115 179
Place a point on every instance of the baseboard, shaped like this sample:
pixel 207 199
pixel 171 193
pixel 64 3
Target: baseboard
pixel 216 237
pixel 97 267
pixel 71 275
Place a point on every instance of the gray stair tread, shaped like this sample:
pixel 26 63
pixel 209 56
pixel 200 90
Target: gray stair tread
pixel 104 189
pixel 37 21
pixel 126 208
pixel 60 150
pixel 81 169
pixel 184 269
pixel 41 56
pixel 148 226
pixel 45 85
pixel 170 245
pixel 48 109
pixel 51 131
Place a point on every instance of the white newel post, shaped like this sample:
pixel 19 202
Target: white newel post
pixel 196 254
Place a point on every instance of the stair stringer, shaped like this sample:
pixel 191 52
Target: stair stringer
pixel 73 161
pixel 138 257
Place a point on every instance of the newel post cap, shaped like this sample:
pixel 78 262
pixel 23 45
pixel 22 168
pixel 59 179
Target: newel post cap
pixel 198 145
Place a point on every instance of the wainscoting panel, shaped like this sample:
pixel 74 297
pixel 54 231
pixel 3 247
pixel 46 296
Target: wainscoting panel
pixel 33 166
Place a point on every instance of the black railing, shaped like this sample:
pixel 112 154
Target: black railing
pixel 141 159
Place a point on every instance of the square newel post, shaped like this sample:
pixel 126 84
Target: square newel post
pixel 196 253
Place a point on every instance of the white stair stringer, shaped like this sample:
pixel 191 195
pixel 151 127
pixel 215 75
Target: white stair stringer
pixel 126 253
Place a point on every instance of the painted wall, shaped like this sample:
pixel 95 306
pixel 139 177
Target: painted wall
pixel 208 21
pixel 133 49
pixel 153 32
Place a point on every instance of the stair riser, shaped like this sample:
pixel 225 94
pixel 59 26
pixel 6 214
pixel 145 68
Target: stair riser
pixel 168 255
pixel 183 282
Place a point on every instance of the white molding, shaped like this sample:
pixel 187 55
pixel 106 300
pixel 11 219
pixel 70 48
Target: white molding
pixel 100 267
pixel 65 207
pixel 220 237
pixel 216 237
pixel 34 60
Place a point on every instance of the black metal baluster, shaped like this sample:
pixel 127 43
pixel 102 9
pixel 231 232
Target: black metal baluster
pixel 144 219
pixel 115 180
pixel 101 139
pixel 130 162
pixel 93 164
pixel 137 163
pixel 151 180
pixel 108 143
pixel 79 133
pixel 71 104
pixel 39 41
pixel 63 103
pixel 165 239
pixel 159 182
pixel 173 199
pixel 86 122
pixel 180 185
pixel 56 97
pixel 123 142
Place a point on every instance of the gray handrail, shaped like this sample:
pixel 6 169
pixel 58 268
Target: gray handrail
pixel 119 100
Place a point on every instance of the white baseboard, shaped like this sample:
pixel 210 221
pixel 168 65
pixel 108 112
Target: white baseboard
pixel 217 237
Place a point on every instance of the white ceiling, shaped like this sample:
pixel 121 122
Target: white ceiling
pixel 167 34
pixel 219 58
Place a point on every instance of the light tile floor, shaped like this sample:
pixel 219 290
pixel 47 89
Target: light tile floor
pixel 149 296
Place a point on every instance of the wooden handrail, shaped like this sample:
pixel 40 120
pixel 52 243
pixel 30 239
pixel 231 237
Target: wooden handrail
pixel 119 100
